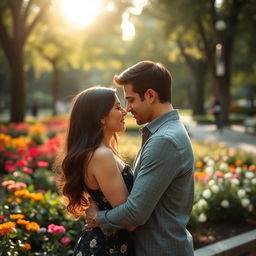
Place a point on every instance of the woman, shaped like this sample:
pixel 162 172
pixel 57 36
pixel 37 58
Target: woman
pixel 92 168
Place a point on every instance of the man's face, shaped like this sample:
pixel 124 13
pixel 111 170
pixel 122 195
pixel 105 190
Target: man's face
pixel 138 108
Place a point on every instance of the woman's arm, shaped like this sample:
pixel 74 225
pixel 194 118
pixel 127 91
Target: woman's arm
pixel 103 167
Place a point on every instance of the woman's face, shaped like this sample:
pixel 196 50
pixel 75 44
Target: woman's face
pixel 114 121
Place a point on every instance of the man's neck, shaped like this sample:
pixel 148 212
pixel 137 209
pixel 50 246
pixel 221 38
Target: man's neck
pixel 161 109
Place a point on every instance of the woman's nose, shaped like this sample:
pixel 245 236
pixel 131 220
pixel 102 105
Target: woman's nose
pixel 124 112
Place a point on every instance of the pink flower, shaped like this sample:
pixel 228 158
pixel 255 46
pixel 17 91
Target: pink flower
pixel 65 240
pixel 27 170
pixel 237 176
pixel 22 163
pixel 219 174
pixel 2 218
pixel 20 185
pixel 7 183
pixel 55 229
pixel 42 164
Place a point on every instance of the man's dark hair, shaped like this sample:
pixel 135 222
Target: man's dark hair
pixel 147 75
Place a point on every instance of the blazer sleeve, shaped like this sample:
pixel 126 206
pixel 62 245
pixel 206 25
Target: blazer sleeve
pixel 159 165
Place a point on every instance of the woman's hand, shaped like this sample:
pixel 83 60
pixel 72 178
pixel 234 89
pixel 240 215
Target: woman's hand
pixel 90 215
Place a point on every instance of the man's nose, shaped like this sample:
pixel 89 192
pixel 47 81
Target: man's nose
pixel 128 108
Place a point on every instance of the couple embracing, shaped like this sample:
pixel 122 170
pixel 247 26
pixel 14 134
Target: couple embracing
pixel 141 210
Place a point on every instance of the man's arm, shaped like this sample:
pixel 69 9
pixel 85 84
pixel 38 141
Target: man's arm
pixel 160 163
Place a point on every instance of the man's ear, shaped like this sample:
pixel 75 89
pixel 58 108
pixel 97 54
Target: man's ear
pixel 151 95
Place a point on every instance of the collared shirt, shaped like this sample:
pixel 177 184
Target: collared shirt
pixel 161 199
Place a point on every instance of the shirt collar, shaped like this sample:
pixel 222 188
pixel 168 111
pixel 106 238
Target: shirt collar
pixel 154 125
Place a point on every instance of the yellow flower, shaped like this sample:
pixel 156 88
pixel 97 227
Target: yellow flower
pixel 32 226
pixel 7 227
pixel 27 247
pixel 17 216
pixel 23 222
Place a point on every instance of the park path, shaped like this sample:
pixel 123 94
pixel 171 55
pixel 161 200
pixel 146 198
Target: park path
pixel 234 136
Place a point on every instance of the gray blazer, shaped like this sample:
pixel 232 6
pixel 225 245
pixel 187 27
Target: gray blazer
pixel 161 199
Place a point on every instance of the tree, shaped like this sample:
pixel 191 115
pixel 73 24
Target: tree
pixel 178 29
pixel 17 20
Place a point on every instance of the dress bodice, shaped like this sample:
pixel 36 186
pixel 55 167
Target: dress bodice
pixel 99 198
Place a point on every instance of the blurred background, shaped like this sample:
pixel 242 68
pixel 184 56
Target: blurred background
pixel 52 49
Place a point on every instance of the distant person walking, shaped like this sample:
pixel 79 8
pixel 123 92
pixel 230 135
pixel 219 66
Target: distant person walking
pixel 215 110
pixel 34 109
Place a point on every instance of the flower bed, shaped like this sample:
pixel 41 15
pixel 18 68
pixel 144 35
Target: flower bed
pixel 32 218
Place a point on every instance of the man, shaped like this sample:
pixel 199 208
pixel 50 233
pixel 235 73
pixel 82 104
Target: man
pixel 215 110
pixel 161 200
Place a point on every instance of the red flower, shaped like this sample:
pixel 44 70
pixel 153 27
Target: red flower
pixel 42 164
pixel 10 168
pixel 22 163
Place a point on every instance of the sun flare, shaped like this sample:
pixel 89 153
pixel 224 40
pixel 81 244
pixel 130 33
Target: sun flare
pixel 81 12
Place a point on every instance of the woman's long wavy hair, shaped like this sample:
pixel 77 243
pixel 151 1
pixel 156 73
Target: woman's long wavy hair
pixel 83 137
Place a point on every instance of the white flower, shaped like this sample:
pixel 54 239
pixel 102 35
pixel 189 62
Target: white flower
pixel 228 175
pixel 201 203
pixel 211 182
pixel 123 248
pixel 254 181
pixel 206 159
pixel 215 188
pixel 250 208
pixel 238 170
pixel 225 158
pixel 93 243
pixel 210 162
pixel 224 203
pixel 207 193
pixel 202 218
pixel 209 170
pixel 79 254
pixel 235 181
pixel 245 202
pixel 249 175
pixel 241 193
pixel 223 167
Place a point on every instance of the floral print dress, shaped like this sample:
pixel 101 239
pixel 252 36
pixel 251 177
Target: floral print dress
pixel 94 241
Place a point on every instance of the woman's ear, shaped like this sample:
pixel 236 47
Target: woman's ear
pixel 151 95
pixel 103 121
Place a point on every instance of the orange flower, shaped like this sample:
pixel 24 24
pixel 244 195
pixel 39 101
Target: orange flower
pixel 22 192
pixel 232 168
pixel 17 216
pixel 9 199
pixel 32 226
pixel 18 200
pixel 23 222
pixel 27 247
pixel 199 164
pixel 238 162
pixel 7 227
pixel 36 196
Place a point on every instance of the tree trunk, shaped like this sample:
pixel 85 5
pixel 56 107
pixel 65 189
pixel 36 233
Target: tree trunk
pixel 18 92
pixel 199 75
pixel 55 88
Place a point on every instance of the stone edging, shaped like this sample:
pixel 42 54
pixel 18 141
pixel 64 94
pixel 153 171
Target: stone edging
pixel 240 245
